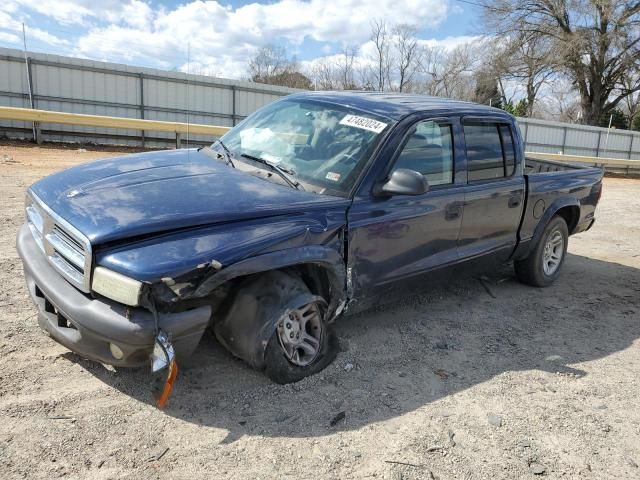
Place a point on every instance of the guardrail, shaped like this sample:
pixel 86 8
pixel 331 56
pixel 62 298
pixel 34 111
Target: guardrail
pixel 610 164
pixel 45 116
pixel 579 159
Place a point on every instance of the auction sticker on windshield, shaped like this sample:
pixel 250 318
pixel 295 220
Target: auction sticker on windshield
pixel 363 123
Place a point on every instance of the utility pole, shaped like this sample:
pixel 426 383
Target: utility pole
pixel 29 87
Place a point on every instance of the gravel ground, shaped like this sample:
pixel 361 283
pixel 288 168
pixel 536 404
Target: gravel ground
pixel 450 384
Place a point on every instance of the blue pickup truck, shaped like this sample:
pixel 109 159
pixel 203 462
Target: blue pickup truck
pixel 315 205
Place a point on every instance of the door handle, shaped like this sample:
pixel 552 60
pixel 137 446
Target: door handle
pixel 453 210
pixel 514 202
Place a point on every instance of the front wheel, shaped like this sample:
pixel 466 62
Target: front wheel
pixel 542 266
pixel 302 344
pixel 276 324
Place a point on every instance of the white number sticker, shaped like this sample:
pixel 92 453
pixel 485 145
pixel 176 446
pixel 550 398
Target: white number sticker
pixel 363 123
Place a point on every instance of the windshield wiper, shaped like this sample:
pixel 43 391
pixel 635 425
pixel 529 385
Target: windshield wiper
pixel 227 154
pixel 283 172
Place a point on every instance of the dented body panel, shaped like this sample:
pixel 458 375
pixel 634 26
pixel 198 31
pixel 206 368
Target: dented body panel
pixel 142 194
pixel 193 230
pixel 175 254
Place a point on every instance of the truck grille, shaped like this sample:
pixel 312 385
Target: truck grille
pixel 66 249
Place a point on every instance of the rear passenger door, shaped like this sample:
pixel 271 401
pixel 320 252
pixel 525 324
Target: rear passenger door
pixel 494 195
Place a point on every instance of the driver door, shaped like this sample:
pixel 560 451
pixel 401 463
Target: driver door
pixel 394 241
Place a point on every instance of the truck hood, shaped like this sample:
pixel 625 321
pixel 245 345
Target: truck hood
pixel 140 194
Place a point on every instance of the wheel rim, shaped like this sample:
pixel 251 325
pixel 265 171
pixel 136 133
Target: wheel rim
pixel 300 334
pixel 553 252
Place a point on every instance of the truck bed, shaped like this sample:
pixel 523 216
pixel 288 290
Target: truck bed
pixel 549 182
pixel 536 165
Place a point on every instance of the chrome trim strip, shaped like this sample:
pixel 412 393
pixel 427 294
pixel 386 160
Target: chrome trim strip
pixel 59 258
pixel 69 271
pixel 37 236
pixel 33 215
pixel 65 250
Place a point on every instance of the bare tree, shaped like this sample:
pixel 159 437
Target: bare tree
pixel 632 101
pixel 380 38
pixel 406 46
pixel 527 60
pixel 429 61
pixel 269 60
pixel 272 66
pixel 323 74
pixel 596 42
pixel 449 73
pixel 563 105
pixel 345 68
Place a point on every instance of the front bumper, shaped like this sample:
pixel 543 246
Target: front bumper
pixel 87 326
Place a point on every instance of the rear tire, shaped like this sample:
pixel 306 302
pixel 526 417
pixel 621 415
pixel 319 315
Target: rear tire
pixel 542 266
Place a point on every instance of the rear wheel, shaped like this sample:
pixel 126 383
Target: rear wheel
pixel 542 266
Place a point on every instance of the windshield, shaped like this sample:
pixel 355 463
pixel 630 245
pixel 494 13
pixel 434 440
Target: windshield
pixel 323 146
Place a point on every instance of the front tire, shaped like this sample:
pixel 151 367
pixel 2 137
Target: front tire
pixel 542 267
pixel 302 345
pixel 276 324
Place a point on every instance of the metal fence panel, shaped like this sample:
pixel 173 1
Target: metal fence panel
pixel 101 88
pixel 554 137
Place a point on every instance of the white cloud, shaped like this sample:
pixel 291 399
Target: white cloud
pixel 9 37
pixel 449 43
pixel 45 37
pixel 70 11
pixel 221 38
pixel 9 6
pixel 8 22
pixel 136 14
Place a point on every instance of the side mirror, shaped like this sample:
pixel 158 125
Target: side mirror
pixel 403 182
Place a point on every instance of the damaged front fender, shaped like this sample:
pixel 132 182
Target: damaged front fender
pixel 250 317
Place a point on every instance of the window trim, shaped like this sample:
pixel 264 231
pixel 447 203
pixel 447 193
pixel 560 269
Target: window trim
pixel 497 122
pixel 504 152
pixel 441 121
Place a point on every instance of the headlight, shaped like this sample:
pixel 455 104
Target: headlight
pixel 115 286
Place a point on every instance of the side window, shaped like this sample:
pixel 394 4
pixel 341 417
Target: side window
pixel 490 151
pixel 509 150
pixel 484 151
pixel 429 151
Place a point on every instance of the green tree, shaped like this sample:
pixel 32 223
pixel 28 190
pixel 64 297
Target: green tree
pixel 487 91
pixel 519 109
pixel 618 120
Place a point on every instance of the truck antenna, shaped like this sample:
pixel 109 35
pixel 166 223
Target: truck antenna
pixel 188 99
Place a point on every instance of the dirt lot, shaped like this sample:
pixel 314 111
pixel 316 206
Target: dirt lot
pixel 450 384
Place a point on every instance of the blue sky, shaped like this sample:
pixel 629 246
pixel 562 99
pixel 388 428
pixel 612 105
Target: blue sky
pixel 221 35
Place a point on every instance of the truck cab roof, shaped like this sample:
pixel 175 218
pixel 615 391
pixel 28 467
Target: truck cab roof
pixel 396 106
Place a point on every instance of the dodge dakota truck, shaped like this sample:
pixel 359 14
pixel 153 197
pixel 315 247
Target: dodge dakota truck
pixel 318 204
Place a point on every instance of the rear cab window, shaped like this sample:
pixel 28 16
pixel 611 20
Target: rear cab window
pixel 490 150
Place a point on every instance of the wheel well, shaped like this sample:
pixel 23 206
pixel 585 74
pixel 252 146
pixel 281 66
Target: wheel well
pixel 320 280
pixel 316 278
pixel 571 215
pixel 245 317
